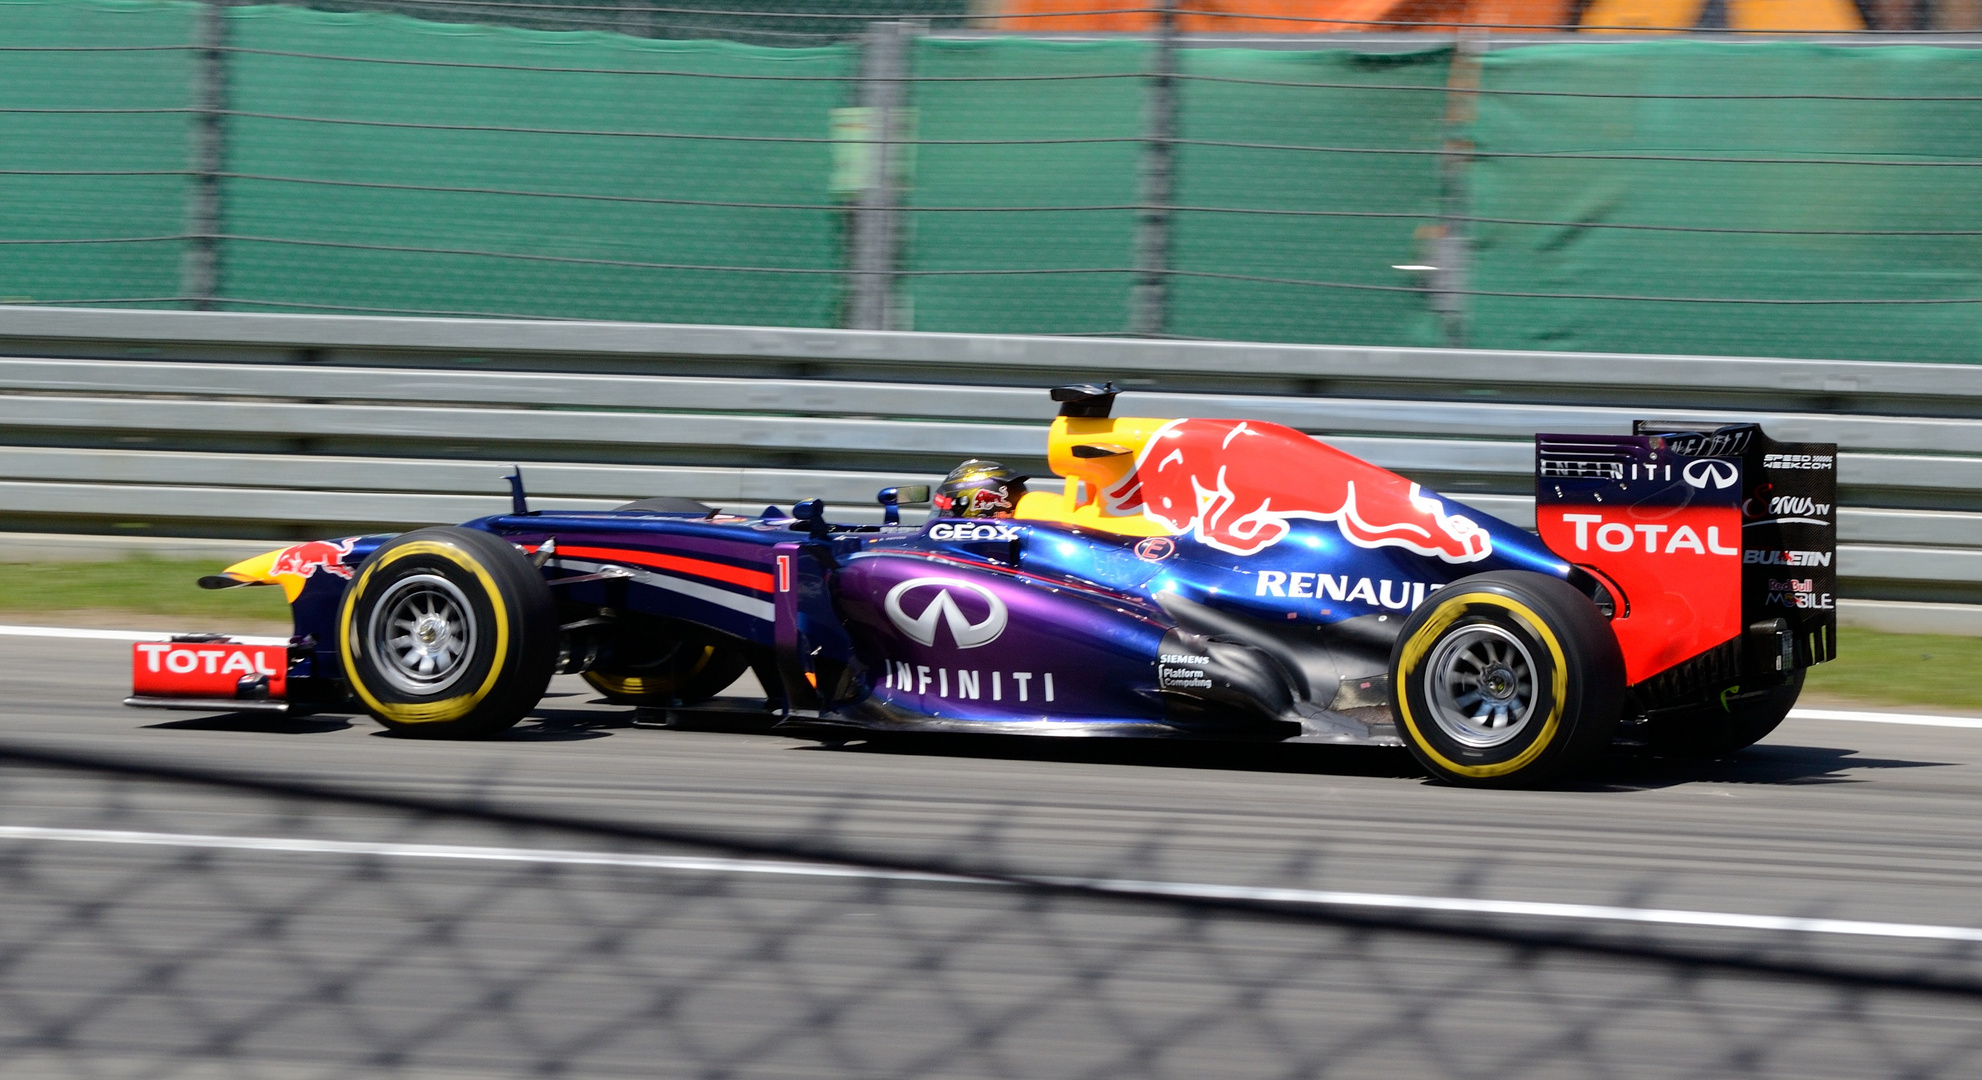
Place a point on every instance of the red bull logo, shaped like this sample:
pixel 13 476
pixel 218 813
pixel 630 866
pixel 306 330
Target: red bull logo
pixel 305 559
pixel 1235 485
pixel 988 501
pixel 979 502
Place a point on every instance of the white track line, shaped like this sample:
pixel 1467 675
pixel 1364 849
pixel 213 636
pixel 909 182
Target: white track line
pixel 81 634
pixel 1920 719
pixel 1317 898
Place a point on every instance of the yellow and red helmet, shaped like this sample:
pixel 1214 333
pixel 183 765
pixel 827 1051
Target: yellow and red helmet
pixel 979 488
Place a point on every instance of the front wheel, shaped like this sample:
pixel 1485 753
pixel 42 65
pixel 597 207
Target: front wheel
pixel 448 633
pixel 1506 679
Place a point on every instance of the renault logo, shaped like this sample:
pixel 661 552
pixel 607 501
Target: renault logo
pixel 1710 472
pixel 922 628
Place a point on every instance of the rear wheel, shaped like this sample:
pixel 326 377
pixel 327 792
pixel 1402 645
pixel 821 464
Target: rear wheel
pixel 1721 728
pixel 676 672
pixel 448 633
pixel 1506 679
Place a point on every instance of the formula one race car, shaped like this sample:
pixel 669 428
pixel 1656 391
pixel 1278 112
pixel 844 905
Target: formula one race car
pixel 1212 579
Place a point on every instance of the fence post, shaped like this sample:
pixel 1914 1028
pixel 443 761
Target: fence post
pixel 1451 251
pixel 876 219
pixel 199 272
pixel 1150 302
pixel 636 19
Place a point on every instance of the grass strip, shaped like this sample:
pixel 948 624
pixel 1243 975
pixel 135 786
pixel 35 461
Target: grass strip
pixel 138 586
pixel 1901 669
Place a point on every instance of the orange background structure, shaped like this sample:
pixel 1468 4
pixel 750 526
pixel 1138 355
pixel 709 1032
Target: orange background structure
pixel 1351 16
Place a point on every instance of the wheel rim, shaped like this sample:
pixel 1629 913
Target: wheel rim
pixel 1480 685
pixel 422 632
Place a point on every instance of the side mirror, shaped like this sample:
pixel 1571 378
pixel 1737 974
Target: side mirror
pixel 810 517
pixel 892 499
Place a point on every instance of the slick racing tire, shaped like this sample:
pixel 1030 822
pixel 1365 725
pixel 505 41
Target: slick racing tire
pixel 1506 679
pixel 1717 730
pixel 678 673
pixel 448 633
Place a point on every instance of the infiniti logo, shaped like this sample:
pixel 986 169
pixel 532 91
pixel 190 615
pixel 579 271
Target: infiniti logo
pixel 1711 473
pixel 922 628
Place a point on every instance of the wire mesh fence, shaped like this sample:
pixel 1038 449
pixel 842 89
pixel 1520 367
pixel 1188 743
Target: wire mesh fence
pixel 934 167
pixel 157 922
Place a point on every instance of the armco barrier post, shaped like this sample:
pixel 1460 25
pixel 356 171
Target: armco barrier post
pixel 199 273
pixel 877 217
pixel 1150 304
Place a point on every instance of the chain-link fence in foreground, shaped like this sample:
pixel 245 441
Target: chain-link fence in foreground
pixel 161 924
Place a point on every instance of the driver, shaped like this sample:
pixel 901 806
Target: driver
pixel 979 489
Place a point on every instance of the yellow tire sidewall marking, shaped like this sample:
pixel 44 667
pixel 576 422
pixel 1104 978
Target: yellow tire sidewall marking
pixel 648 686
pixel 425 712
pixel 1449 609
pixel 624 685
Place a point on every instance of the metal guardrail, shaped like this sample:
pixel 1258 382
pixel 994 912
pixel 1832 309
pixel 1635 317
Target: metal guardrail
pixel 241 424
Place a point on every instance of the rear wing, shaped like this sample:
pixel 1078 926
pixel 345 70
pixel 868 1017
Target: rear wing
pixel 1719 548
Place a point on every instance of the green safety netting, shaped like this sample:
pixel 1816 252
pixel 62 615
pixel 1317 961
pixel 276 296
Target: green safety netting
pixel 47 159
pixel 970 159
pixel 1674 196
pixel 1375 206
pixel 437 186
pixel 1687 151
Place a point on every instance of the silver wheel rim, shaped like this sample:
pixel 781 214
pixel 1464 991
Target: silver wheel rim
pixel 422 633
pixel 1480 686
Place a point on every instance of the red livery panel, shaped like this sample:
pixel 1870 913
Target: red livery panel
pixel 1235 484
pixel 756 580
pixel 1658 520
pixel 1678 570
pixel 208 669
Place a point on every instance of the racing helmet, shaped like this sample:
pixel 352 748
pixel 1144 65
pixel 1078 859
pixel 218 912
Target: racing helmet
pixel 979 488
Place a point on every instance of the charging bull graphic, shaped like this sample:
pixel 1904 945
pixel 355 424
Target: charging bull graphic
pixel 1235 485
pixel 307 558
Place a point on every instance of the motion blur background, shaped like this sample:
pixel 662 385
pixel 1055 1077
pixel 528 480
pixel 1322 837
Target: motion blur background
pixel 1791 178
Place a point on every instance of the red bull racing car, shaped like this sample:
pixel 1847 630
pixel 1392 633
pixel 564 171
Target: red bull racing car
pixel 1196 578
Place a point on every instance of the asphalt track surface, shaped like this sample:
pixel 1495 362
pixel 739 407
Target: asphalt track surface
pixel 1826 819
pixel 1838 819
